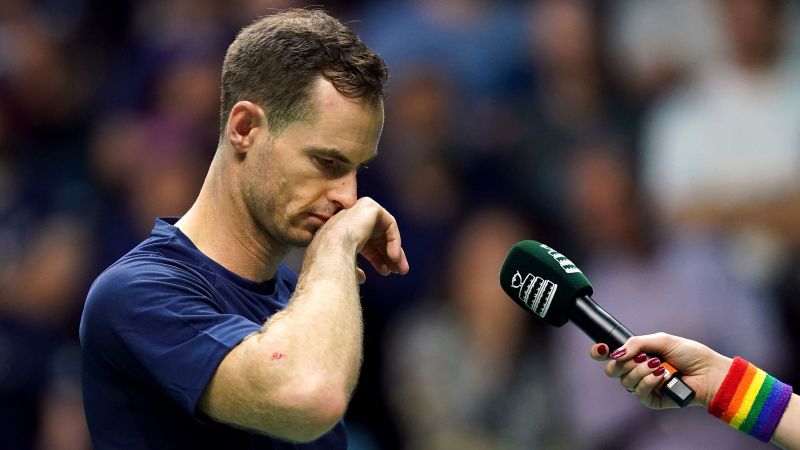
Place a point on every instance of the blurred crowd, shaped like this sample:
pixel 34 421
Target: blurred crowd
pixel 656 143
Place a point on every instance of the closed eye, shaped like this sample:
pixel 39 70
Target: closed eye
pixel 324 163
pixel 333 163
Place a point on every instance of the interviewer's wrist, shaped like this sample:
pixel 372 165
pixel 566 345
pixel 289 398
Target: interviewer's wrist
pixel 750 400
pixel 718 369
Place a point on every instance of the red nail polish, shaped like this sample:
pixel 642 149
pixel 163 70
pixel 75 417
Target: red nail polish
pixel 619 353
pixel 658 372
pixel 640 358
pixel 602 349
pixel 653 363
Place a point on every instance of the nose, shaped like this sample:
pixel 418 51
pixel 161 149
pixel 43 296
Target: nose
pixel 343 193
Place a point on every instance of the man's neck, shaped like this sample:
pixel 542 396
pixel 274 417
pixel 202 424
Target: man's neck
pixel 219 226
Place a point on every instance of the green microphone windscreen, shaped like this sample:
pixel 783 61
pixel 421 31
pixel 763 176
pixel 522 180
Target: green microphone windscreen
pixel 542 281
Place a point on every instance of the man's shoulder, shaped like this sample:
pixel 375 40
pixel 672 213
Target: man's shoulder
pixel 140 277
pixel 143 267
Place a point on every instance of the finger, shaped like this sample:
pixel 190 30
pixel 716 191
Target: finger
pixel 649 386
pixel 599 352
pixel 378 261
pixel 657 343
pixel 622 361
pixel 631 380
pixel 375 254
pixel 395 255
pixel 618 369
pixel 394 250
pixel 402 267
pixel 361 277
pixel 386 229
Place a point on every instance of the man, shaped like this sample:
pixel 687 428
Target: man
pixel 200 337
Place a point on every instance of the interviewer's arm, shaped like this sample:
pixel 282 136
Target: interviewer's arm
pixel 701 368
pixel 787 435
pixel 293 379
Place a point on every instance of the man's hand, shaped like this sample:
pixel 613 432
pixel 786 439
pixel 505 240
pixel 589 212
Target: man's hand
pixel 367 228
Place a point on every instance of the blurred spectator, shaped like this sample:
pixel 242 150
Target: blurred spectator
pixel 38 315
pixel 722 152
pixel 132 158
pixel 651 279
pixel 43 97
pixel 415 179
pixel 477 45
pixel 466 368
pixel 575 98
pixel 656 44
pixel 187 24
pixel 478 42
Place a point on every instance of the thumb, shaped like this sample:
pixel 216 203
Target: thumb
pixel 599 352
pixel 658 343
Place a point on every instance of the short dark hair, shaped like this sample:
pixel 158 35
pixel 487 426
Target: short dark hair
pixel 273 62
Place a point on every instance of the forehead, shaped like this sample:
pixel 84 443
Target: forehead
pixel 325 101
pixel 351 126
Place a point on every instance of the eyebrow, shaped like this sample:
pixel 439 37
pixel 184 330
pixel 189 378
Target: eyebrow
pixel 334 153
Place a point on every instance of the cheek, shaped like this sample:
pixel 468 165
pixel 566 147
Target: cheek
pixel 262 189
pixel 303 188
pixel 286 186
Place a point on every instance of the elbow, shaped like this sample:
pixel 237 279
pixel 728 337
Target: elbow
pixel 319 418
pixel 316 408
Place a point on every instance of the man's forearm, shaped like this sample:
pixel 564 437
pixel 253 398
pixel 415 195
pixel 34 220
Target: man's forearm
pixel 326 311
pixel 294 378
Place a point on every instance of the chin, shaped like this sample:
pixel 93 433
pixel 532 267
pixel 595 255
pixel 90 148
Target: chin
pixel 300 238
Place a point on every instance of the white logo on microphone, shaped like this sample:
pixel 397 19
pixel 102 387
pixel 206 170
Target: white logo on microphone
pixel 543 292
pixel 562 260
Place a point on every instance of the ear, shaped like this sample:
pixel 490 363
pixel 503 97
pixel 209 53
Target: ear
pixel 245 121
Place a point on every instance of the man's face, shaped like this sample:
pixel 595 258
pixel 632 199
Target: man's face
pixel 295 181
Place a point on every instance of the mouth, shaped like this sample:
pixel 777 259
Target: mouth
pixel 319 219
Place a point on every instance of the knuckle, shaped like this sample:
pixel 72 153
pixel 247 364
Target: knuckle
pixel 369 204
pixel 610 370
pixel 367 201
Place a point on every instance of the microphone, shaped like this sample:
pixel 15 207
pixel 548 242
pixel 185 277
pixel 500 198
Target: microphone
pixel 548 285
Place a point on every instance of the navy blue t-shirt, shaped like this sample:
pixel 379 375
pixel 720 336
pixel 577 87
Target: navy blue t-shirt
pixel 156 325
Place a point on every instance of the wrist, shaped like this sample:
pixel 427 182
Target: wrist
pixel 334 240
pixel 750 400
pixel 719 368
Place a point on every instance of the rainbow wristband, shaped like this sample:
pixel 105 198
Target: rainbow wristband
pixel 751 400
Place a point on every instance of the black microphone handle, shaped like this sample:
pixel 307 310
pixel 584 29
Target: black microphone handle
pixel 601 326
pixel 597 323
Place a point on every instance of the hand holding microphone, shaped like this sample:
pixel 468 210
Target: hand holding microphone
pixel 548 285
pixel 701 367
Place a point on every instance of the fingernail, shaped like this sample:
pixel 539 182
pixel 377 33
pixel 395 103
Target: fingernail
pixel 640 358
pixel 658 372
pixel 619 353
pixel 602 349
pixel 653 363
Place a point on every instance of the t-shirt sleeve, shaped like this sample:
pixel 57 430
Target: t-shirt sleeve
pixel 160 324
